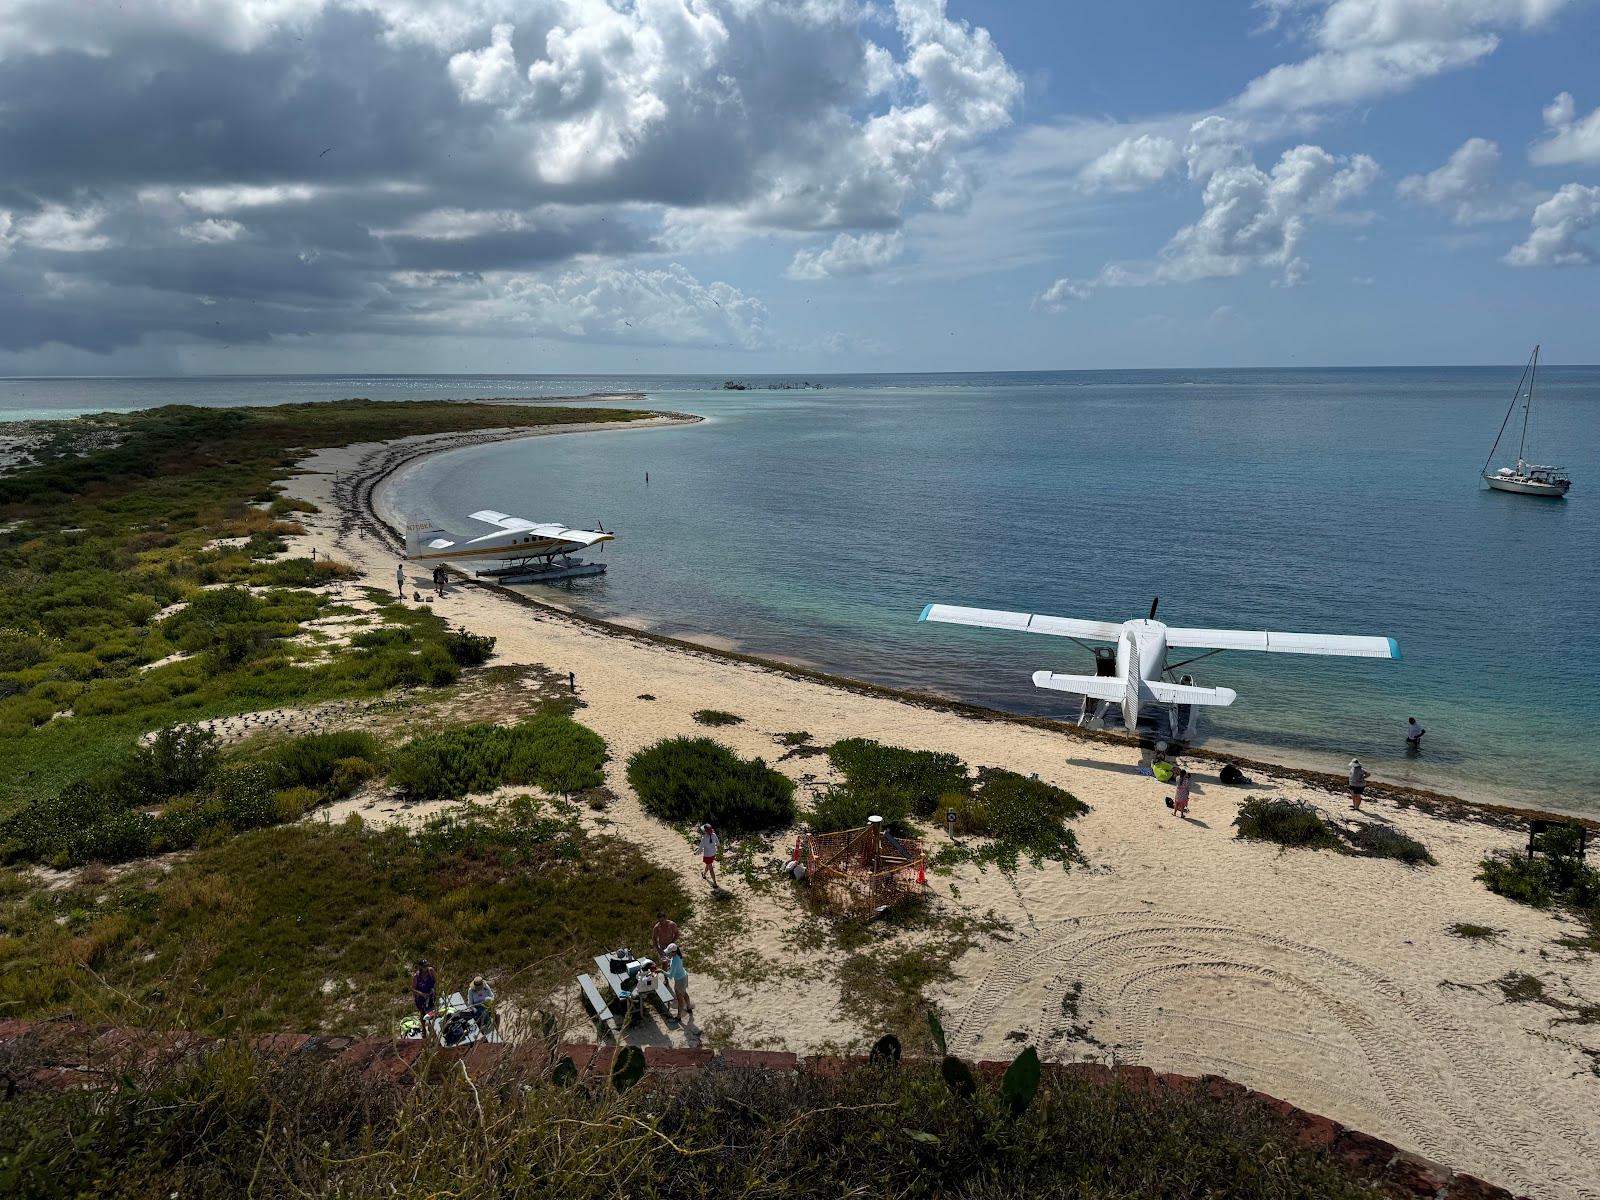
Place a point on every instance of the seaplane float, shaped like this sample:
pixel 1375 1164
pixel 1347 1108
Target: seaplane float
pixel 1134 675
pixel 527 551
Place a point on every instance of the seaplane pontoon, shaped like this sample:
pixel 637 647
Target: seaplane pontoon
pixel 526 551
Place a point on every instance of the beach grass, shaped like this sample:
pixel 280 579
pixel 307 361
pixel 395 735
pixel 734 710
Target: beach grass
pixel 236 1123
pixel 124 516
pixel 716 717
pixel 312 926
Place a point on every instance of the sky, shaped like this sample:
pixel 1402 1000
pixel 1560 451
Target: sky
pixel 746 186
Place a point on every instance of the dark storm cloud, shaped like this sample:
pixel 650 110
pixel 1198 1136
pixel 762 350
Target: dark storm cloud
pixel 235 172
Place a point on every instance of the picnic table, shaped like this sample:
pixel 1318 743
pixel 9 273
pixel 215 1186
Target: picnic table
pixel 619 984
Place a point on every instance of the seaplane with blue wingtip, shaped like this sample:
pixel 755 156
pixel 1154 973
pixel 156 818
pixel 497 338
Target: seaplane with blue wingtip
pixel 528 551
pixel 1136 677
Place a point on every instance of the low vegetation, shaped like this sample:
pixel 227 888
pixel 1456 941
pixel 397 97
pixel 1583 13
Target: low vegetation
pixel 899 782
pixel 1470 932
pixel 312 926
pixel 549 751
pixel 715 717
pixel 1016 816
pixel 1554 877
pixel 1285 822
pixel 125 517
pixel 178 790
pixel 1019 817
pixel 1297 825
pixel 233 1124
pixel 697 779
pixel 1372 840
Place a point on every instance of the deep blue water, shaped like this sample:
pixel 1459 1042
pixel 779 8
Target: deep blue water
pixel 816 524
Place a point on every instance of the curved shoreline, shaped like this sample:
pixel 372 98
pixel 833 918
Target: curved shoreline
pixel 362 507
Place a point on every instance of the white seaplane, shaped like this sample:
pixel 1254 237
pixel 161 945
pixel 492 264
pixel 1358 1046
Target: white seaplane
pixel 528 551
pixel 1135 675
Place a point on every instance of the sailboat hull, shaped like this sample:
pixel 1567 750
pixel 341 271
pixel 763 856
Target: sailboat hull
pixel 1528 487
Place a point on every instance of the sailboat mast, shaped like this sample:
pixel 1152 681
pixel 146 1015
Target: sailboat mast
pixel 1510 408
pixel 1527 409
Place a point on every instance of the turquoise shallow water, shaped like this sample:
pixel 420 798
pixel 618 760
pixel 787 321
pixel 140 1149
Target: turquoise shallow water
pixel 815 525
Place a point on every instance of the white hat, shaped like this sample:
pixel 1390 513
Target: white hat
pixel 672 948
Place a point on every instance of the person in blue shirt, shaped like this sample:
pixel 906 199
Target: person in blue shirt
pixel 680 982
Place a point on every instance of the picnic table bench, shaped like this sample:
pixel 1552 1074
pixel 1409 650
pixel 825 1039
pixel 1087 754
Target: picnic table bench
pixel 597 1005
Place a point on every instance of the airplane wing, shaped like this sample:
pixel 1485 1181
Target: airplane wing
pixel 1284 643
pixel 994 618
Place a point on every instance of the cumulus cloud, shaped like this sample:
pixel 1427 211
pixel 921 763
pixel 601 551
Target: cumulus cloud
pixel 1556 238
pixel 1570 139
pixel 1466 185
pixel 1251 220
pixel 1364 49
pixel 55 227
pixel 303 164
pixel 1056 296
pixel 213 230
pixel 848 254
pixel 1132 164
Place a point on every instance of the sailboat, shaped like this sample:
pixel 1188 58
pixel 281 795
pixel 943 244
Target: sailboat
pixel 1526 479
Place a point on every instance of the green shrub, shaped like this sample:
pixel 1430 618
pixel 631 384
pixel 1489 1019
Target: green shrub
pixel 840 808
pixel 468 649
pixel 1286 822
pixel 1021 816
pixel 336 762
pixel 715 716
pixel 241 797
pixel 550 751
pixel 1527 881
pixel 883 774
pixel 176 760
pixel 1380 841
pixel 697 779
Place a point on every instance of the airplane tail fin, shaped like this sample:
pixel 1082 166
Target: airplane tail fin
pixel 1183 693
pixel 421 535
pixel 1101 687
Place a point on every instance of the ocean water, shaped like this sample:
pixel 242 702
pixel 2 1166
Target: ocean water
pixel 814 525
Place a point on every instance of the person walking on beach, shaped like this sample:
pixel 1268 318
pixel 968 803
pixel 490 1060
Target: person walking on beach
pixel 400 580
pixel 708 854
pixel 424 989
pixel 664 934
pixel 1414 732
pixel 1358 783
pixel 679 978
pixel 1180 797
pixel 438 581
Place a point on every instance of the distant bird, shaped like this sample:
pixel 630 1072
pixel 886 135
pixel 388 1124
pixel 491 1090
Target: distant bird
pixel 325 151
pixel 629 324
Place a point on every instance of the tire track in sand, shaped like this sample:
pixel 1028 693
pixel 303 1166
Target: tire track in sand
pixel 1426 1080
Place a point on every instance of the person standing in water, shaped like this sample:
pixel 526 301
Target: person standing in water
pixel 1414 732
pixel 1358 783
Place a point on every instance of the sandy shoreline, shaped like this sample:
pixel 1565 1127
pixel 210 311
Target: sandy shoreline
pixel 1324 979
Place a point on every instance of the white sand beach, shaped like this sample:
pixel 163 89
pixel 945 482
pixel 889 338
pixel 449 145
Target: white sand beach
pixel 1328 980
